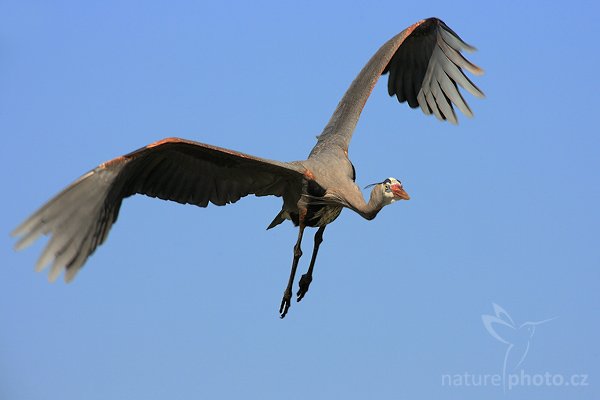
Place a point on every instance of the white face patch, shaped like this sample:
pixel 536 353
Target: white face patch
pixel 394 181
pixel 388 195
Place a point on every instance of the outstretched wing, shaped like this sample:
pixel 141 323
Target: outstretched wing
pixel 425 67
pixel 78 219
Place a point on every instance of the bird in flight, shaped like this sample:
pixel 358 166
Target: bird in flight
pixel 425 68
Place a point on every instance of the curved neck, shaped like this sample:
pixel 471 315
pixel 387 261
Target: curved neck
pixel 371 209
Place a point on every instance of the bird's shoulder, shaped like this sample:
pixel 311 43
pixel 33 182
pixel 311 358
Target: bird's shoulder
pixel 330 168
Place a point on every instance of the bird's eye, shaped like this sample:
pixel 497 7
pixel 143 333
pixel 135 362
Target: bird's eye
pixel 387 188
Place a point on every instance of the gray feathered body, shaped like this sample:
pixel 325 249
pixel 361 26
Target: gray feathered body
pixel 425 67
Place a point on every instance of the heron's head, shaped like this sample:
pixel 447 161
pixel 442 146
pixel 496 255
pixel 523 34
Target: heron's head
pixel 391 190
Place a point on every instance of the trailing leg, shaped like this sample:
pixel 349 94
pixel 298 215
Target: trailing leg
pixel 306 279
pixel 287 294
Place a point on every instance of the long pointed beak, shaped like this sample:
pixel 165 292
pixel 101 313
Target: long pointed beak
pixel 399 192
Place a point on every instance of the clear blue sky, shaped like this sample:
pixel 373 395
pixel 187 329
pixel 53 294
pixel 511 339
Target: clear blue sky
pixel 181 302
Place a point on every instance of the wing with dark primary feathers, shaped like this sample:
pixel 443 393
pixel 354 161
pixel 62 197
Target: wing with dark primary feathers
pixel 425 66
pixel 78 219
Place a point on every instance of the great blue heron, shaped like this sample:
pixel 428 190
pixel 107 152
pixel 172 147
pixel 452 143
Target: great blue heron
pixel 425 66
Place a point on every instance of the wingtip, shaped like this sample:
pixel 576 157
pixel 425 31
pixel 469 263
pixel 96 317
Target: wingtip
pixel 55 272
pixel 20 245
pixel 70 274
pixel 20 230
pixel 467 47
pixel 477 70
pixel 41 263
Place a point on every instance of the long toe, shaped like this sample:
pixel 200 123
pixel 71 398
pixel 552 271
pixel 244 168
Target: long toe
pixel 285 304
pixel 304 283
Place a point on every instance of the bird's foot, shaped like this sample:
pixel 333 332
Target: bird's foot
pixel 304 283
pixel 285 303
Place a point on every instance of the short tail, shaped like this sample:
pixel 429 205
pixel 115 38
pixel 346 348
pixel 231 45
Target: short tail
pixel 277 220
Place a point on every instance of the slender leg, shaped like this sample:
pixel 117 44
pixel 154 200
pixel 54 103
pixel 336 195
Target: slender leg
pixel 287 294
pixel 306 279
